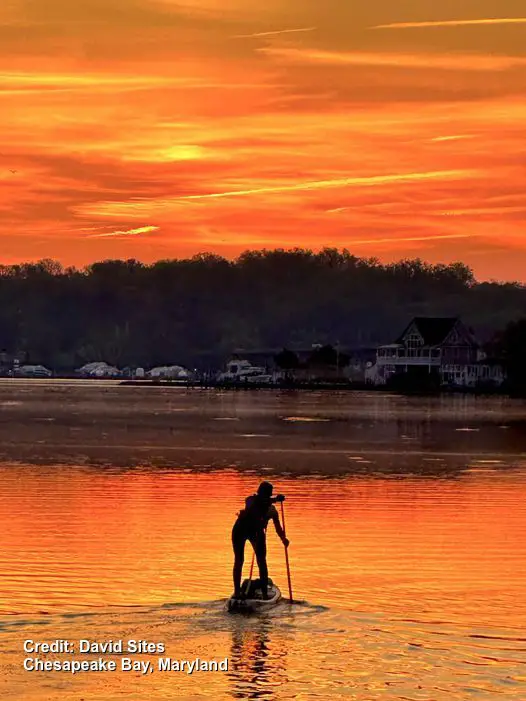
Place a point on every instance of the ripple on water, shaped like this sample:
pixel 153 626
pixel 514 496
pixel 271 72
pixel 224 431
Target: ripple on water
pixel 409 572
pixel 306 419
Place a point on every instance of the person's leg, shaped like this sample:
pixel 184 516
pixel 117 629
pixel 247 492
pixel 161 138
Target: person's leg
pixel 238 544
pixel 259 544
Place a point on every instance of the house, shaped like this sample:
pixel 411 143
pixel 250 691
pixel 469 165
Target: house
pixel 485 372
pixel 441 346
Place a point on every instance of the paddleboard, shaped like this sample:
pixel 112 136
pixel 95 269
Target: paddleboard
pixel 253 600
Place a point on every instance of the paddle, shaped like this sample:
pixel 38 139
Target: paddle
pixel 250 575
pixel 286 553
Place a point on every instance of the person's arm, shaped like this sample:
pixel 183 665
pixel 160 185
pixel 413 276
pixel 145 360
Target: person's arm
pixel 279 529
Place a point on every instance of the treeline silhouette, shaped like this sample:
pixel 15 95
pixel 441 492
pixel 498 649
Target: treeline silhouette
pixel 197 311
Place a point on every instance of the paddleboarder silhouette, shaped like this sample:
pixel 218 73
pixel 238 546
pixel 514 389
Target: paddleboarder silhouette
pixel 251 525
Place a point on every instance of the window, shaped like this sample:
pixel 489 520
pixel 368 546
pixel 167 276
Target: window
pixel 413 343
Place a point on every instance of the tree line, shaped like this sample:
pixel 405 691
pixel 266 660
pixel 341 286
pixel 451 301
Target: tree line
pixel 197 311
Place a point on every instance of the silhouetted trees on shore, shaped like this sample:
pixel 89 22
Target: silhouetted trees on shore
pixel 510 346
pixel 196 311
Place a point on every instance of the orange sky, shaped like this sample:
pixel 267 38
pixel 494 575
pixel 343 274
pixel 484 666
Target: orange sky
pixel 161 128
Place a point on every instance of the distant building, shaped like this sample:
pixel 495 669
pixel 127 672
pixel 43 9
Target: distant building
pixel 350 362
pixel 440 345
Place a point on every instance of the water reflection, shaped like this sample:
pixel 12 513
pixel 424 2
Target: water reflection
pixel 257 665
pixel 104 424
pixel 406 525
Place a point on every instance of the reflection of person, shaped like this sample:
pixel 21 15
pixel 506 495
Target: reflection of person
pixel 251 525
pixel 257 661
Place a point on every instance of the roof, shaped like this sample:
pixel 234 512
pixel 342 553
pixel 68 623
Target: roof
pixel 433 329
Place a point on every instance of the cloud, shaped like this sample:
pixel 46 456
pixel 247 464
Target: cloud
pixel 454 137
pixel 452 23
pixel 133 111
pixel 492 211
pixel 405 239
pixel 129 232
pixel 340 182
pixel 274 33
pixel 14 82
pixel 19 82
pixel 424 61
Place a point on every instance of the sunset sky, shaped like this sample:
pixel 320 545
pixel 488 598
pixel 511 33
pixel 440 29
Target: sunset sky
pixel 162 128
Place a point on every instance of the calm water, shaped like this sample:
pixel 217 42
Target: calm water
pixel 407 520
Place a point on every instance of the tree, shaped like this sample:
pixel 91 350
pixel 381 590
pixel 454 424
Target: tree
pixel 511 346
pixel 195 311
pixel 287 360
pixel 328 356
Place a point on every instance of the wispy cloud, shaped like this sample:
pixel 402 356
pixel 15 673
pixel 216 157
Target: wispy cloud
pixel 452 23
pixel 454 137
pixel 274 32
pixel 403 239
pixel 473 211
pixel 129 232
pixel 78 80
pixel 424 61
pixel 17 82
pixel 341 182
pixel 249 141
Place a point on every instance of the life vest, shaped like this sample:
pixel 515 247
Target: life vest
pixel 255 515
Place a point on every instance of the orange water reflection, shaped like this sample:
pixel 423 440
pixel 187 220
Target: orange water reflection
pixel 415 585
pixel 84 538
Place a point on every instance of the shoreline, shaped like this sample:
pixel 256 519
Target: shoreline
pixel 306 386
pixel 313 387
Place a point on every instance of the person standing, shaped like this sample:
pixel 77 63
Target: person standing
pixel 251 525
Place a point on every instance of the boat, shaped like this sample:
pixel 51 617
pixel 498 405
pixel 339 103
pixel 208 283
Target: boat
pixel 243 372
pixel 252 597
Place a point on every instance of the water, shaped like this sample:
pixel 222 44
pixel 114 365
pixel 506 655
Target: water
pixel 406 519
